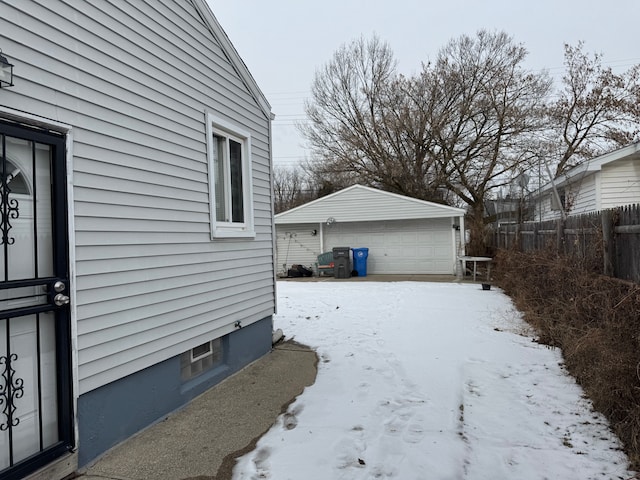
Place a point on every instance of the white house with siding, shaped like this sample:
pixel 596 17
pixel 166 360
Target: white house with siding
pixel 137 242
pixel 404 235
pixel 604 182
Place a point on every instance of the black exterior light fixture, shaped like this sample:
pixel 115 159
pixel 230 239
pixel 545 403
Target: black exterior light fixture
pixel 6 72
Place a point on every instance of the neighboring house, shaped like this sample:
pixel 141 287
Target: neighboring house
pixel 404 235
pixel 503 210
pixel 137 245
pixel 604 182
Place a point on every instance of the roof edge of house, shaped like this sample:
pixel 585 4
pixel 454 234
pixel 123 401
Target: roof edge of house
pixel 216 29
pixel 590 166
pixel 453 210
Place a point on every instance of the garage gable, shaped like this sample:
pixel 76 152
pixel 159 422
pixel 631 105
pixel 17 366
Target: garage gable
pixel 362 204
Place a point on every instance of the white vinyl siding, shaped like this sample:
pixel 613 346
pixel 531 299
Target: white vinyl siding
pixel 358 203
pixel 579 197
pixel 134 78
pixel 543 209
pixel 604 182
pixel 620 183
pixel 582 195
pixel 296 245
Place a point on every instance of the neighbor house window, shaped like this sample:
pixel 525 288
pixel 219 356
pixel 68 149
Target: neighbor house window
pixel 229 152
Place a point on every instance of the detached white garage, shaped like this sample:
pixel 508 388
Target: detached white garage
pixel 404 235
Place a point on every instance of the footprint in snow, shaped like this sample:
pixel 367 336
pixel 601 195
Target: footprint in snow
pixel 261 461
pixel 290 418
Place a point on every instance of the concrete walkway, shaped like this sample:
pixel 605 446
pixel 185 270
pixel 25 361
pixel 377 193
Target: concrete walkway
pixel 201 441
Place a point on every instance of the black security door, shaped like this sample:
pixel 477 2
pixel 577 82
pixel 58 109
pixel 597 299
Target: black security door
pixel 36 418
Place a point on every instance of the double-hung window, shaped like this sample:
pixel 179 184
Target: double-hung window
pixel 230 192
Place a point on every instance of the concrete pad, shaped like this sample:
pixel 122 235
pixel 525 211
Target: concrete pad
pixel 377 278
pixel 202 440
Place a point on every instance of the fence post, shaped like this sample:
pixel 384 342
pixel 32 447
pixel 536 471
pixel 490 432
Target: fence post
pixel 609 245
pixel 560 236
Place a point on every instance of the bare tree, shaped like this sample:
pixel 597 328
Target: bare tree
pixel 364 125
pixel 596 111
pixel 288 188
pixel 485 110
pixel 466 125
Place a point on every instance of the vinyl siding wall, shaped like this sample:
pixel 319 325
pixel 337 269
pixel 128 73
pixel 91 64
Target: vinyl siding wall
pixel 615 184
pixel 582 194
pixel 296 245
pixel 356 204
pixel 134 79
pixel 620 183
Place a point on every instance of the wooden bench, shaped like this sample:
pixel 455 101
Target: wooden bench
pixel 325 263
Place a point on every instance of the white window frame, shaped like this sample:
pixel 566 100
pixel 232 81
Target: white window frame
pixel 209 352
pixel 219 229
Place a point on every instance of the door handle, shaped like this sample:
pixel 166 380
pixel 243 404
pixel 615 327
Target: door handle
pixel 61 300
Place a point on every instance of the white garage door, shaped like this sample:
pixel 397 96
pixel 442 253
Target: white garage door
pixel 400 246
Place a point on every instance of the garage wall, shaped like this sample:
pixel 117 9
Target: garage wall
pixel 399 246
pixel 295 244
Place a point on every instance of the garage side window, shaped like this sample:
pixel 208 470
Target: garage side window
pixel 229 152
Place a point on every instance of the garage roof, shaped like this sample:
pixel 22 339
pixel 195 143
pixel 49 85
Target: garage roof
pixel 362 204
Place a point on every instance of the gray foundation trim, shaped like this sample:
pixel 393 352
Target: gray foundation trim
pixel 112 413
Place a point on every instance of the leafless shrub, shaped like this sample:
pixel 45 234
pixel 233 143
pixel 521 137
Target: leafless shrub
pixel 594 319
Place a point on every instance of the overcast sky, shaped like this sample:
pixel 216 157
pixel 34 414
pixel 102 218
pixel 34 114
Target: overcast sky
pixel 283 42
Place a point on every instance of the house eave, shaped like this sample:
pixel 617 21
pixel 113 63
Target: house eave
pixel 212 23
pixel 591 166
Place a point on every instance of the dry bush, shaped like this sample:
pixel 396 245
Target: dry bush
pixel 594 319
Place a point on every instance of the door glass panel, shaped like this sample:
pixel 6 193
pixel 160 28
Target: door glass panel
pixel 31 395
pixel 43 221
pixel 26 231
pixel 48 379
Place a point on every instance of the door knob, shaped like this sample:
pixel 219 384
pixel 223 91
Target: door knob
pixel 60 300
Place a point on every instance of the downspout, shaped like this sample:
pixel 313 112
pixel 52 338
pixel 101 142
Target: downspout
pixel 321 230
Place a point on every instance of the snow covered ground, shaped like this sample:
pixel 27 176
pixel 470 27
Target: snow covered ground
pixel 428 381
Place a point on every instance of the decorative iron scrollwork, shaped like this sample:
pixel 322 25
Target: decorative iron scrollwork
pixel 9 211
pixel 11 389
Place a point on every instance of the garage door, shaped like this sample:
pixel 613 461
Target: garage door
pixel 401 246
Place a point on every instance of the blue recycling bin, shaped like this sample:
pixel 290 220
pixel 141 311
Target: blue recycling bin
pixel 360 261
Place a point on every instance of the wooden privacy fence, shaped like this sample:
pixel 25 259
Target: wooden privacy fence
pixel 610 235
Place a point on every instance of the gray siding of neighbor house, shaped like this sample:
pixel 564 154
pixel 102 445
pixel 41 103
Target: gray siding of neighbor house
pixel 134 78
